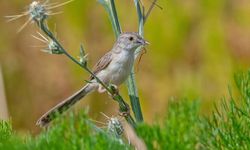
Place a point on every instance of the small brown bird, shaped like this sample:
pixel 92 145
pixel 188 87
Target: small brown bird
pixel 113 68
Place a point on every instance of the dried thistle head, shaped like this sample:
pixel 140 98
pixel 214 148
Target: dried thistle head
pixel 115 126
pixel 37 11
pixel 51 47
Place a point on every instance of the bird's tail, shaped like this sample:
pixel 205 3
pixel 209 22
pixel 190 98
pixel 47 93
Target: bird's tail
pixel 64 105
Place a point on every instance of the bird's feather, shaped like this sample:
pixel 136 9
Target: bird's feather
pixel 102 63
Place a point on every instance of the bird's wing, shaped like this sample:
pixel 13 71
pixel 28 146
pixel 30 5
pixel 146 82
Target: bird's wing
pixel 102 64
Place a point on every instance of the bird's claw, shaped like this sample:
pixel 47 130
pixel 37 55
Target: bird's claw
pixel 101 89
pixel 126 112
pixel 114 89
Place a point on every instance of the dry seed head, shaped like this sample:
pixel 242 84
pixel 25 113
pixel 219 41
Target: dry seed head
pixel 37 11
pixel 51 46
pixel 54 48
pixel 115 126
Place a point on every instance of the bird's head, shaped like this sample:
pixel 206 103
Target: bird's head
pixel 130 41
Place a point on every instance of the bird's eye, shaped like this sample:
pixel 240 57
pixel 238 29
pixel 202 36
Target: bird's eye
pixel 131 38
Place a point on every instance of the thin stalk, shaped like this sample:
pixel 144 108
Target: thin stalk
pixel 109 5
pixel 131 82
pixel 134 98
pixel 140 17
pixel 114 15
pixel 150 10
pixel 124 108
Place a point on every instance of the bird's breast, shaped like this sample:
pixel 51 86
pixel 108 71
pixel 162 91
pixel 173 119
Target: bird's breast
pixel 120 67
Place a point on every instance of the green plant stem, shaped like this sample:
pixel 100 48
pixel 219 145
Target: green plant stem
pixel 109 5
pixel 134 98
pixel 140 17
pixel 124 108
pixel 131 82
pixel 114 15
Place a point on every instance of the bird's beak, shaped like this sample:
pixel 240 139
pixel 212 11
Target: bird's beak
pixel 143 42
pixel 146 42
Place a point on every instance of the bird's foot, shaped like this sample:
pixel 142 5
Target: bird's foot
pixel 114 89
pixel 125 112
pixel 101 89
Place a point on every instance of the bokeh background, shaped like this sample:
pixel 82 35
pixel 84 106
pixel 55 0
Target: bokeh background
pixel 196 47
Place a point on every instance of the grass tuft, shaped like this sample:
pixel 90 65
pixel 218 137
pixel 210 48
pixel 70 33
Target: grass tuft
pixel 74 132
pixel 179 129
pixel 5 130
pixel 228 127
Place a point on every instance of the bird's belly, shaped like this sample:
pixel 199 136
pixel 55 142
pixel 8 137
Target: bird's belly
pixel 117 71
pixel 119 76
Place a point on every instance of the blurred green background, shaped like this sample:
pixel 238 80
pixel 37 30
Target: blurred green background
pixel 196 46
